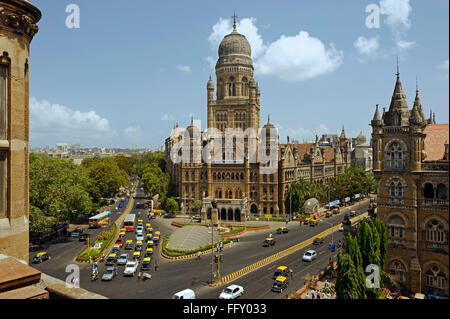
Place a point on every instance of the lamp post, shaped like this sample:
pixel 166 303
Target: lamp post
pixel 332 233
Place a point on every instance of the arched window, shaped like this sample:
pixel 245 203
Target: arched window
pixel 441 192
pixel 399 190
pixel 244 86
pixel 428 191
pixel 395 156
pixel 435 232
pixel 435 278
pixel 397 271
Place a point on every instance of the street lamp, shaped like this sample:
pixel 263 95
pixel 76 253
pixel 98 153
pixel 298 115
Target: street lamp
pixel 332 233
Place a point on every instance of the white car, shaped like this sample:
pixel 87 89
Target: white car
pixel 310 255
pixel 232 292
pixel 130 268
pixel 123 259
pixel 140 237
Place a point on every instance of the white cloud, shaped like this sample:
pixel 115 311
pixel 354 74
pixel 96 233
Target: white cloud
pixel 167 117
pixel 397 12
pixel 184 68
pixel 291 58
pixel 367 47
pixel 133 131
pixel 405 45
pixel 54 122
pixel 304 134
pixel 444 66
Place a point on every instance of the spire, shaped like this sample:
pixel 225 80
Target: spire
pixel 268 119
pixel 398 97
pixel 234 21
pixel 376 116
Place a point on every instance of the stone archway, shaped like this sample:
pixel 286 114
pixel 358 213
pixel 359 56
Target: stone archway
pixel 237 215
pixel 223 214
pixel 230 214
pixel 254 209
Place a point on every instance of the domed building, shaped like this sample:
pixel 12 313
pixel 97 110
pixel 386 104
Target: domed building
pixel 230 173
pixel 362 153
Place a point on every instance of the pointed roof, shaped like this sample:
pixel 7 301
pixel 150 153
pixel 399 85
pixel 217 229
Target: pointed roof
pixel 398 101
pixel 376 116
pixel 343 136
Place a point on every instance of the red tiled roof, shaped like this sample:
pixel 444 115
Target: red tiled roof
pixel 437 135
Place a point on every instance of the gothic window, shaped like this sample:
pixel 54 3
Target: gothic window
pixel 395 156
pixel 395 228
pixel 399 190
pixel 435 278
pixel 244 86
pixel 435 232
pixel 398 271
pixel 441 192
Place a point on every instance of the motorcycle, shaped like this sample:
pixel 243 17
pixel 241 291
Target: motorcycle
pixel 94 276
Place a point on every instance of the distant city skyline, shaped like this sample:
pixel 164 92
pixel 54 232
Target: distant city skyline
pixel 319 66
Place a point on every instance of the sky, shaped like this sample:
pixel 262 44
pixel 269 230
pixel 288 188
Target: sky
pixel 121 74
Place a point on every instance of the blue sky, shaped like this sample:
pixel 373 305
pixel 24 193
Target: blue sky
pixel 133 69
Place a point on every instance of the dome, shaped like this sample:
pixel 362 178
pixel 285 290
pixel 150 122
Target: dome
pixel 234 43
pixel 361 139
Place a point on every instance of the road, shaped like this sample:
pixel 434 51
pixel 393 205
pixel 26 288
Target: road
pixel 175 275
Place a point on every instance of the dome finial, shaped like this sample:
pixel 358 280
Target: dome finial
pixel 234 21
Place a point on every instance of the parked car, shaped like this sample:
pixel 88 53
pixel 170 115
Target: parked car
pixel 232 292
pixel 336 211
pixel 130 268
pixel 310 255
pixel 184 294
pixel 109 274
pixel 280 284
pixel 122 260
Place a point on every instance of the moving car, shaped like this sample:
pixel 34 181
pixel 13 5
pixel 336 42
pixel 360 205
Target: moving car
pixel 129 244
pixel 150 243
pixel 138 246
pixel 318 240
pixel 341 228
pixel 336 211
pixel 313 222
pixel 280 284
pixel 116 249
pixel 352 213
pixel 282 230
pixel 136 255
pixel 130 268
pixel 140 237
pixel 83 237
pixel 306 221
pixel 111 259
pixel 146 263
pixel 232 292
pixel 281 271
pixel 269 242
pixel 149 252
pixel 41 257
pixel 149 236
pixel 109 274
pixel 122 260
pixel 328 214
pixel 310 255
pixel 184 294
pixel 156 240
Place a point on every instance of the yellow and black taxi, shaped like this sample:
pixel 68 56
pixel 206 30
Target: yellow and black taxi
pixel 269 242
pixel 336 211
pixel 318 240
pixel 148 225
pixel 111 259
pixel 313 222
pixel 129 244
pixel 40 257
pixel 281 271
pixel 280 284
pixel 136 255
pixel 146 263
pixel 328 214
pixel 150 243
pixel 139 246
pixel 282 230
pixel 122 234
pixel 352 213
pixel 115 249
pixel 306 221
pixel 149 236
pixel 149 252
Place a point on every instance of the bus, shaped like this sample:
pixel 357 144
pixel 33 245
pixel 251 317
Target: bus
pixel 129 222
pixel 99 220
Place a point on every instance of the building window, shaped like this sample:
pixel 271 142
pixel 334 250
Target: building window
pixel 428 191
pixel 3 102
pixel 435 278
pixel 435 232
pixel 395 157
pixel 3 183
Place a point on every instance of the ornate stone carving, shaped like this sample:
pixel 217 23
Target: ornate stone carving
pixel 19 22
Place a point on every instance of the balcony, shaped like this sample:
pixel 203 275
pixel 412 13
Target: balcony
pixel 433 203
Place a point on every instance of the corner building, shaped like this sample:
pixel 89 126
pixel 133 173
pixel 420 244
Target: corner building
pixel 234 103
pixel 410 165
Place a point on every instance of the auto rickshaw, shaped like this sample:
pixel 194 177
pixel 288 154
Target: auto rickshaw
pixel 149 252
pixel 129 244
pixel 269 242
pixel 40 257
pixel 138 246
pixel 136 255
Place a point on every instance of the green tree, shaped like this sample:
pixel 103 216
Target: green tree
pixel 197 205
pixel 172 205
pixel 347 282
pixel 352 249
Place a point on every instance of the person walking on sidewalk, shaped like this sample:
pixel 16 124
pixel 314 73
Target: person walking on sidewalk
pixel 312 293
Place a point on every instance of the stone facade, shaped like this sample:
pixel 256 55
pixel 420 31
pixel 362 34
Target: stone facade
pixel 410 165
pixel 234 103
pixel 18 20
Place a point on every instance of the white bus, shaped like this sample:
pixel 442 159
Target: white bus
pixel 129 222
pixel 99 220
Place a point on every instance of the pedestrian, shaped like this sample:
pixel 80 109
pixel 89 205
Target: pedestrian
pixel 291 272
pixel 139 276
pixel 307 296
pixel 270 235
pixel 218 247
pixel 237 238
pixel 318 294
pixel 312 293
pixel 199 254
pixel 231 243
pixel 156 265
pixel 326 283
pixel 221 246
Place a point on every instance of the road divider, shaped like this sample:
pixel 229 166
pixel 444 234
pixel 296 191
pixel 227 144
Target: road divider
pixel 274 257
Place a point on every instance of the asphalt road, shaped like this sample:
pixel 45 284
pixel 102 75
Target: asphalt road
pixel 175 275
